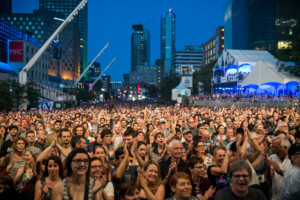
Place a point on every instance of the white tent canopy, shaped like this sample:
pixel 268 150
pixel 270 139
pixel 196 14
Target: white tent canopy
pixel 265 72
pixel 180 90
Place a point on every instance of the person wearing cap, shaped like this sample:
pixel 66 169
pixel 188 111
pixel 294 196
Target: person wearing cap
pixel 291 179
pixel 188 137
pixel 7 145
pixel 269 125
pixel 163 128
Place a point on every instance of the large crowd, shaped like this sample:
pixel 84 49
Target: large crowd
pixel 152 152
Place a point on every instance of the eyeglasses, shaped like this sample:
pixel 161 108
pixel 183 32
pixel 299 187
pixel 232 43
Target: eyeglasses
pixel 201 146
pixel 201 167
pixel 237 176
pixel 78 161
pixel 97 166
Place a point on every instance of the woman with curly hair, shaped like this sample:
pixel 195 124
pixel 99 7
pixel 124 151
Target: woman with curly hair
pixel 150 182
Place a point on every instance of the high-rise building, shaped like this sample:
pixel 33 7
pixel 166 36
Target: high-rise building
pixel 213 48
pixel 41 25
pixel 81 20
pixel 144 74
pixel 5 6
pixel 140 47
pixel 160 71
pixel 279 24
pixel 192 56
pixel 167 39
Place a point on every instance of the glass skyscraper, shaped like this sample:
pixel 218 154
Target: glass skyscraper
pixel 81 20
pixel 140 47
pixel 167 39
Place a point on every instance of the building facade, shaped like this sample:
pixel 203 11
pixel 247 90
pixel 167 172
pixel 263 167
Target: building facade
pixel 144 74
pixel 20 53
pixel 192 55
pixel 167 40
pixel 214 46
pixel 140 47
pixel 65 7
pixel 5 6
pixel 40 25
pixel 9 32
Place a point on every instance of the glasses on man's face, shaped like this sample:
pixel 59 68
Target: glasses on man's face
pixel 97 166
pixel 78 161
pixel 201 167
pixel 238 176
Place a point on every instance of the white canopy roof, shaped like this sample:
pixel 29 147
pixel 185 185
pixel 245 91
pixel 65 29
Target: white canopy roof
pixel 181 86
pixel 264 72
pixel 238 57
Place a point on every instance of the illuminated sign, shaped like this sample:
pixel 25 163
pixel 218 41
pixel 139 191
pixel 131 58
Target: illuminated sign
pixel 16 51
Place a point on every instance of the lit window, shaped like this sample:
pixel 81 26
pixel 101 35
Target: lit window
pixel 284 44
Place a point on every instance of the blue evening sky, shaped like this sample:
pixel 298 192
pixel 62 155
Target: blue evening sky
pixel 111 21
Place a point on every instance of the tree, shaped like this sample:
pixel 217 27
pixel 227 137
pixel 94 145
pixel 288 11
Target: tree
pixel 151 90
pixel 292 55
pixel 6 98
pixel 32 94
pixel 166 89
pixel 204 75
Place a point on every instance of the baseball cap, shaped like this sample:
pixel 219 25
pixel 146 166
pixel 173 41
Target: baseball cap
pixel 186 131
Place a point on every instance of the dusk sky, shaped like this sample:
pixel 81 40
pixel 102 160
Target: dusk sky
pixel 111 21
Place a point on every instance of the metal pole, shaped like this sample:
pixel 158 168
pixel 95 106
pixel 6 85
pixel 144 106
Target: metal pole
pixel 82 74
pixel 91 88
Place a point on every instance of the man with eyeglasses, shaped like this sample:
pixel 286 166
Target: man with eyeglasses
pixel 240 174
pixel 201 186
pixel 278 164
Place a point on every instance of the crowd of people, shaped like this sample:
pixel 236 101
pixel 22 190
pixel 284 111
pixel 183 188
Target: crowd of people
pixel 150 152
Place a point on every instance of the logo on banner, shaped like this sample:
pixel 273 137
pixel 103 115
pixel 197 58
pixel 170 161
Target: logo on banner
pixel 45 104
pixel 16 51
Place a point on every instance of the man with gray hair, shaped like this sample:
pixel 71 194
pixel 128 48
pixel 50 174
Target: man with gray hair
pixel 278 163
pixel 173 164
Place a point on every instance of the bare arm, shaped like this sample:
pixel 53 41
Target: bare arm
pixel 19 175
pixel 119 172
pixel 38 190
pixel 62 150
pixel 216 171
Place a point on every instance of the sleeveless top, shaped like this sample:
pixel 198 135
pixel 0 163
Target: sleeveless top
pixel 16 167
pixel 45 196
pixel 87 192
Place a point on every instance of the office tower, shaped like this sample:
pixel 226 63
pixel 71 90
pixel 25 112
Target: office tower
pixel 140 47
pixel 190 56
pixel 5 6
pixel 213 48
pixel 167 39
pixel 81 20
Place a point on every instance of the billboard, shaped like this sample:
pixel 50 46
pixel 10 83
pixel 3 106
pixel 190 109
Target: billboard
pixel 187 81
pixel 16 51
pixel 187 69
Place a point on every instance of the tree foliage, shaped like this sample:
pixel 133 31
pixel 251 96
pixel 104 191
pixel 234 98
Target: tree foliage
pixel 290 54
pixel 83 94
pixel 204 75
pixel 166 89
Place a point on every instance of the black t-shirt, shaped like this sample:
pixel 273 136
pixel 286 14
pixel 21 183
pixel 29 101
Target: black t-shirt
pixel 219 182
pixel 6 148
pixel 227 194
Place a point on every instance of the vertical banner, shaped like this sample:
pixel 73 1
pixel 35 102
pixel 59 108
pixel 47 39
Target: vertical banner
pixel 16 51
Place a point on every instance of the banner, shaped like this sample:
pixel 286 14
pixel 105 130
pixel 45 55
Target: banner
pixel 45 104
pixel 16 51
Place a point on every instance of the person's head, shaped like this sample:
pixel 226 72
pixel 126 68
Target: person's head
pixel 79 130
pixel 283 126
pixel 141 149
pixel 219 155
pixel 228 122
pixel 235 124
pixel 20 144
pixel 180 184
pixel 78 162
pixel 151 171
pixel 221 129
pixel 117 127
pixel 40 134
pixel 205 136
pixel 159 138
pixel 129 191
pixel 196 166
pixel 123 123
pixel 294 154
pixel 187 135
pixel 78 141
pixel 57 126
pixel 175 149
pixel 96 168
pixel 53 167
pixel 280 146
pixel 240 174
pixel 6 183
pixel 229 132
pixel 135 126
pixel 129 136
pixel 106 137
pixel 30 136
pixel 198 147
pixel 65 136
pixel 120 155
pixel 13 130
pixel 30 154
pixel 99 152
